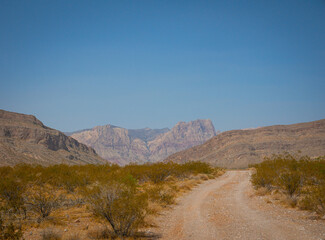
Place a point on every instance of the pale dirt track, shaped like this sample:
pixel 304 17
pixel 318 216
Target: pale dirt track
pixel 226 208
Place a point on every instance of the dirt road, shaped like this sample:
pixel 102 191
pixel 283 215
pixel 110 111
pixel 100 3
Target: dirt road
pixel 226 208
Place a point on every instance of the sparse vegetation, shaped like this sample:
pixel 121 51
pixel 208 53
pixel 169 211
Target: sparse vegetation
pixel 120 204
pixel 74 236
pixel 119 197
pixel 50 234
pixel 9 230
pixel 42 200
pixel 301 178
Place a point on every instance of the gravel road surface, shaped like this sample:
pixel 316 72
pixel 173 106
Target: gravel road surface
pixel 227 208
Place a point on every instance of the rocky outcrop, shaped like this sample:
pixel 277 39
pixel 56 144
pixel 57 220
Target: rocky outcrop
pixel 181 136
pixel 24 139
pixel 123 146
pixel 239 148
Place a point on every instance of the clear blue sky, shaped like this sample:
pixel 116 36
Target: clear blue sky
pixel 78 64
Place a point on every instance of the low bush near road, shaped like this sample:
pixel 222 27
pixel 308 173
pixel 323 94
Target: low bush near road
pixel 120 204
pixel 33 196
pixel 301 178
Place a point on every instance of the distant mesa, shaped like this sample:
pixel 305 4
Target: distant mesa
pixel 25 139
pixel 239 148
pixel 125 146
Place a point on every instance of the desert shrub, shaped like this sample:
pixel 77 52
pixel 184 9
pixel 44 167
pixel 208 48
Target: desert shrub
pixel 118 194
pixel 120 204
pixel 27 173
pixel 264 176
pixel 159 172
pixel 11 192
pixel 9 231
pixel 315 200
pixel 63 176
pixel 291 182
pixel 162 194
pixel 297 176
pixel 6 171
pixel 196 168
pixel 278 171
pixel 42 200
pixel 155 173
pixel 50 234
pixel 72 177
pixel 313 171
pixel 97 173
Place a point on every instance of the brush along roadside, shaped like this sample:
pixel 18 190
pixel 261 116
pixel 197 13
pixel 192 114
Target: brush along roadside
pixel 82 199
pixel 296 181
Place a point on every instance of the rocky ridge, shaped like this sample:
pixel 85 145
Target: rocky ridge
pixel 123 146
pixel 239 148
pixel 25 139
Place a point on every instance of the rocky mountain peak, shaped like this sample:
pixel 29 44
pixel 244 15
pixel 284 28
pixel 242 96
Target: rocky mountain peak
pixel 122 145
pixel 199 125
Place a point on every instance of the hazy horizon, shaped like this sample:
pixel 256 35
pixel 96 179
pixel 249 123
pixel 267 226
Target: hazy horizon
pixel 80 64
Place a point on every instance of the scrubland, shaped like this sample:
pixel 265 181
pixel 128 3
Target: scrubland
pixel 91 201
pixel 296 181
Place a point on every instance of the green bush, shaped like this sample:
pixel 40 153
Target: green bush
pixel 120 204
pixel 297 176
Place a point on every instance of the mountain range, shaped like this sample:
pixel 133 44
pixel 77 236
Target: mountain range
pixel 123 146
pixel 239 148
pixel 25 139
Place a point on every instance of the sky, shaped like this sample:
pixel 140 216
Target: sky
pixel 135 64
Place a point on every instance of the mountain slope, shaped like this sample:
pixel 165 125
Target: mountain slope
pixel 123 146
pixel 239 148
pixel 24 139
pixel 182 136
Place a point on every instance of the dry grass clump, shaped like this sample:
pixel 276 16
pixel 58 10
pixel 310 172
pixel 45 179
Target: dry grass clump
pixel 262 191
pixel 122 198
pixel 164 194
pixel 187 184
pixel 298 181
pixel 73 236
pixel 203 177
pixel 51 234
pixel 101 233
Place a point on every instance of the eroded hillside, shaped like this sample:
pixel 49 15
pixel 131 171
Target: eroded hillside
pixel 239 148
pixel 24 139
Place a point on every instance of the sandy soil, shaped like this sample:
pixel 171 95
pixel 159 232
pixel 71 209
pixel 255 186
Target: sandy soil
pixel 227 208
